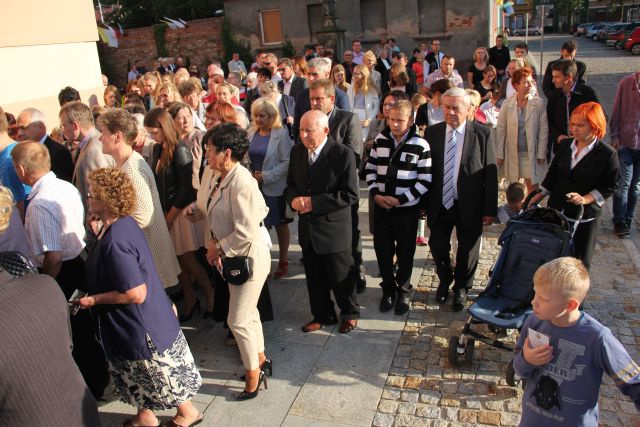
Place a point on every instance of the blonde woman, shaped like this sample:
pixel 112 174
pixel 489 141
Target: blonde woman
pixel 269 156
pixel 168 94
pixel 338 77
pixel 151 83
pixel 13 237
pixel 480 61
pixel 112 97
pixel 369 59
pixel 363 97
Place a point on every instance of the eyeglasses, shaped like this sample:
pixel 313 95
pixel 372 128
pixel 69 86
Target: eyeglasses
pixel 281 70
pixel 266 63
pixel 388 104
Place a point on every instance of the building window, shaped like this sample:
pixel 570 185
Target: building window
pixel 270 26
pixel 431 16
pixel 373 16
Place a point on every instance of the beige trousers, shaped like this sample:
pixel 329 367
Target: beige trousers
pixel 243 318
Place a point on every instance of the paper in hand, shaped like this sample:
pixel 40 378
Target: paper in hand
pixel 537 339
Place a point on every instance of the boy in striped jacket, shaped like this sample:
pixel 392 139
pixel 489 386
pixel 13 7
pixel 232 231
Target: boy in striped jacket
pixel 398 176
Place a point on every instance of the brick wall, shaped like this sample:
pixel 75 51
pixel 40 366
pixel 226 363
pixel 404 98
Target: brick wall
pixel 200 41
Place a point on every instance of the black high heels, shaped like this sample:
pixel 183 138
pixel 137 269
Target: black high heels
pixel 267 365
pixel 186 317
pixel 246 395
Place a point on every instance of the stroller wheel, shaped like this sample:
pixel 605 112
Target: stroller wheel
pixel 468 352
pixel 453 351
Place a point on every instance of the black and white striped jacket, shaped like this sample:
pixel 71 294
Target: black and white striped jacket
pixel 403 172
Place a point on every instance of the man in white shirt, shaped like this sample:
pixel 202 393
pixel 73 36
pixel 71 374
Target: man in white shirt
pixel 446 71
pixel 358 55
pixel 133 73
pixel 290 84
pixel 236 65
pixel 54 220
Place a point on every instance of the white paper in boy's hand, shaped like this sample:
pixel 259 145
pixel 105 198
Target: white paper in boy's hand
pixel 537 339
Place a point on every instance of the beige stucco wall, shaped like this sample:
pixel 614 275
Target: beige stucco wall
pixel 46 45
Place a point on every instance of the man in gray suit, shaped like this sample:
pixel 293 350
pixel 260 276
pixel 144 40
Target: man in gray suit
pixel 78 126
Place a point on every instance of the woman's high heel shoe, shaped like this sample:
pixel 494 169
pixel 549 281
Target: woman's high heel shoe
pixel 267 365
pixel 283 269
pixel 246 395
pixel 186 317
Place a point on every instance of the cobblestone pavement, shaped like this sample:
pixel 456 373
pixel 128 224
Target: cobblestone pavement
pixel 423 389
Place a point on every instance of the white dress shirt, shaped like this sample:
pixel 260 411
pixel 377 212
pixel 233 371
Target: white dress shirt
pixel 316 151
pixel 460 132
pixel 54 220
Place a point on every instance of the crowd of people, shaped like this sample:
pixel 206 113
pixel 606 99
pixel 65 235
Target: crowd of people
pixel 173 183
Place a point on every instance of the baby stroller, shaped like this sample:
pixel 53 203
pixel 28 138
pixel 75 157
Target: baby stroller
pixel 532 238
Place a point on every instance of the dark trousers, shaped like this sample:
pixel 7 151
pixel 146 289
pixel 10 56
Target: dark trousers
pixel 87 351
pixel 584 241
pixel 395 234
pixel 356 240
pixel 331 272
pixel 468 249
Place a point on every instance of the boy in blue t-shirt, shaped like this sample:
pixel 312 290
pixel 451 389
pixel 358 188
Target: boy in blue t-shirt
pixel 562 352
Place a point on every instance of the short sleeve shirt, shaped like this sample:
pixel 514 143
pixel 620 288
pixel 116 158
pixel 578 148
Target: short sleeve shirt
pixel 122 261
pixel 8 176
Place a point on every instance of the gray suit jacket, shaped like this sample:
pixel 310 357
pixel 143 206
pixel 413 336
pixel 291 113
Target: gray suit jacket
pixel 345 128
pixel 89 159
pixel 297 85
pixel 276 162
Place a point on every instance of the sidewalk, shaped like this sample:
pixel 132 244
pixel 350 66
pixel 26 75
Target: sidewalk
pixel 393 370
pixel 322 378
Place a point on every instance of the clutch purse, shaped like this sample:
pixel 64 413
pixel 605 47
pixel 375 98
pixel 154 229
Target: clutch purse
pixel 236 270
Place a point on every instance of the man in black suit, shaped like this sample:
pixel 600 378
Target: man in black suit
pixel 433 59
pixel 32 126
pixel 563 74
pixel 318 68
pixel 499 57
pixel 568 51
pixel 463 194
pixel 290 84
pixel 322 186
pixel 345 129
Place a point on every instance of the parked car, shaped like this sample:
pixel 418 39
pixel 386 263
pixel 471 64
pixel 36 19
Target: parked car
pixel 582 28
pixel 615 39
pixel 633 42
pixel 611 28
pixel 535 30
pixel 626 34
pixel 592 31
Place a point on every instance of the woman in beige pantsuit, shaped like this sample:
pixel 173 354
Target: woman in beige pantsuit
pixel 236 209
pixel 521 134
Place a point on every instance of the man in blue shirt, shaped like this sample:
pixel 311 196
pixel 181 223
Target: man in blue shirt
pixel 8 176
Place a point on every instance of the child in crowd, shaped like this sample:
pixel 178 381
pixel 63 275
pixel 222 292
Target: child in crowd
pixel 563 352
pixel 516 192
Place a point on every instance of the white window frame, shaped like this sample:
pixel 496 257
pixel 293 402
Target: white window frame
pixel 264 43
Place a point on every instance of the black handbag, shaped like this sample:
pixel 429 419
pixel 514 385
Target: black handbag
pixel 236 270
pixel 16 264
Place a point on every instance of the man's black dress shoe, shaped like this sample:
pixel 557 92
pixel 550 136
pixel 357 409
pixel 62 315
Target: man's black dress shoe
pixel 386 303
pixel 459 299
pixel 402 304
pixel 442 294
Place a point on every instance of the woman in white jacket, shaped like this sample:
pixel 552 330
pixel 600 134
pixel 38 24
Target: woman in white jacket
pixel 522 133
pixel 363 97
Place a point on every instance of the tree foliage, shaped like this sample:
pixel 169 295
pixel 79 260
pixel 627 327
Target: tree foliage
pixel 144 13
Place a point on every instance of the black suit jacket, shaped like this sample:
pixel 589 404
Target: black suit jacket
pixel 303 104
pixel 61 162
pixel 598 170
pixel 298 84
pixel 547 82
pixel 557 111
pixel 477 180
pixel 332 184
pixel 345 128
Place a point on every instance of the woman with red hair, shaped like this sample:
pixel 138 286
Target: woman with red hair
pixel 583 172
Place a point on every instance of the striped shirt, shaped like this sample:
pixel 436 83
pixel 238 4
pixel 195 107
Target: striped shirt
pixel 54 219
pixel 403 171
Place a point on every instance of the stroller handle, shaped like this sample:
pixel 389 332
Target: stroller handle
pixel 576 221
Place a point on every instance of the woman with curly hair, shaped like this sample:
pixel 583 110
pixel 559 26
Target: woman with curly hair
pixel 149 359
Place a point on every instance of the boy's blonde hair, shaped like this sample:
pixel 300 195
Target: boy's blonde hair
pixel 567 276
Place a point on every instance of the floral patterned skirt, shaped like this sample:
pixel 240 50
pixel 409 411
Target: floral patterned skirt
pixel 165 381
